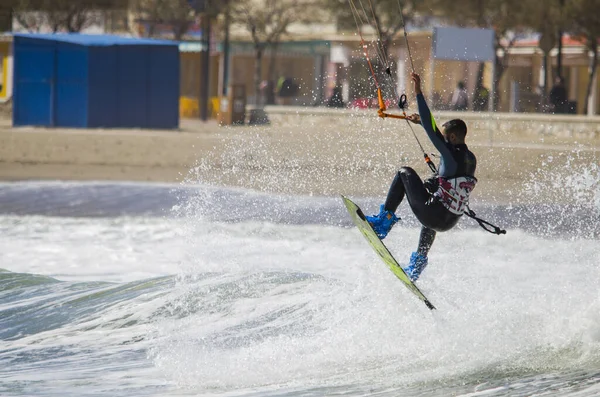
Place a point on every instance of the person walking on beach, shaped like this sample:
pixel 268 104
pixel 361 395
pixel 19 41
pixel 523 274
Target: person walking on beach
pixel 440 201
pixel 558 96
pixel 460 98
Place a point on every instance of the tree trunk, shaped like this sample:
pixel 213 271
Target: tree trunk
pixel 592 71
pixel 480 71
pixel 545 84
pixel 76 19
pixel 560 43
pixel 205 79
pixel 151 28
pixel 271 78
pixel 258 115
pixel 226 50
pixel 499 71
pixel 559 55
pixel 387 80
pixel 259 49
pixel 385 47
pixel 179 29
pixel 501 65
pixel 481 93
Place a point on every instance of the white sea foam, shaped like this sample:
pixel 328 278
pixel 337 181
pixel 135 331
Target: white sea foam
pixel 261 307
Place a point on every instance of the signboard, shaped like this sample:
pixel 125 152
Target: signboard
pixel 198 5
pixel 461 44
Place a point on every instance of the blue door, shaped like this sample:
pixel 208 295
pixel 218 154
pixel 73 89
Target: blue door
pixel 34 84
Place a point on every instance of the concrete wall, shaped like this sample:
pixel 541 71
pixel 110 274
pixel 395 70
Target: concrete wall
pixel 483 125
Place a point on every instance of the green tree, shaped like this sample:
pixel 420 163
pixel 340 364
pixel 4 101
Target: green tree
pixel 585 23
pixel 545 21
pixel 56 15
pixel 385 17
pixel 28 16
pixel 177 14
pixel 267 21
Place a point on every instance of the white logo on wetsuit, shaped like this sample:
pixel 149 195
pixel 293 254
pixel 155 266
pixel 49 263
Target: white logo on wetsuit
pixel 454 192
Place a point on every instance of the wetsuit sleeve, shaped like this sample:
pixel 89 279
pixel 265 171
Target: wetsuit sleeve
pixel 435 136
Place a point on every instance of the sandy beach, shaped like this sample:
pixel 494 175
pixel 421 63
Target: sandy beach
pixel 347 152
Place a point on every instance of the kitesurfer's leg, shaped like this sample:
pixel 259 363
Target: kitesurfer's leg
pixel 406 182
pixel 418 259
pixel 395 194
pixel 415 267
pixel 382 223
pixel 425 241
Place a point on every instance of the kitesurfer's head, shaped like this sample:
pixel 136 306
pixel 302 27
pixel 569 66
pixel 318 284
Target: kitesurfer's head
pixel 454 131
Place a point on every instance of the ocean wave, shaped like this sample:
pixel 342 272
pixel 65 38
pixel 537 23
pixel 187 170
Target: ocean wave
pixel 31 304
pixel 103 199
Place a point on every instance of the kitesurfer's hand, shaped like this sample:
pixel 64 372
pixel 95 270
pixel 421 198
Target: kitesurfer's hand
pixel 417 81
pixel 414 118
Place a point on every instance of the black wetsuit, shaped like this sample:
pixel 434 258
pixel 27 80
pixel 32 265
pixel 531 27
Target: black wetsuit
pixel 456 160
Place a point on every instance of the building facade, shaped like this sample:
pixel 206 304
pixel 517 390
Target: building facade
pixel 313 63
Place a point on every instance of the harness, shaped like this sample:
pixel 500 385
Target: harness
pixel 454 193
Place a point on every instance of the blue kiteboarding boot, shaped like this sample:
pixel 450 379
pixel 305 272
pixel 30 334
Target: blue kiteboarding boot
pixel 416 265
pixel 383 222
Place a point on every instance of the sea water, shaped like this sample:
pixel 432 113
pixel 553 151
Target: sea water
pixel 120 289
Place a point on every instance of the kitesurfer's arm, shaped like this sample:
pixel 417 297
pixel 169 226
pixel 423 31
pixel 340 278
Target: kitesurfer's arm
pixel 428 123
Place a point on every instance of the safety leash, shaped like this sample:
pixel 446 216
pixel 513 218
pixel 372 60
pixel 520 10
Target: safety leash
pixel 483 223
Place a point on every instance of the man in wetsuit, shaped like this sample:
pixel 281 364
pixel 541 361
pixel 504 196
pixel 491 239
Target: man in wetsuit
pixel 439 202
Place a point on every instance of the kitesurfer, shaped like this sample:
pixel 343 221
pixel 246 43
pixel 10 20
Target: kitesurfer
pixel 439 201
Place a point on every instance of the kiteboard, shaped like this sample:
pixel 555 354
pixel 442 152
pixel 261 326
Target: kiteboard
pixel 367 231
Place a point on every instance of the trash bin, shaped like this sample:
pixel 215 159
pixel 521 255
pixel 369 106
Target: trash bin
pixel 232 109
pixel 188 107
